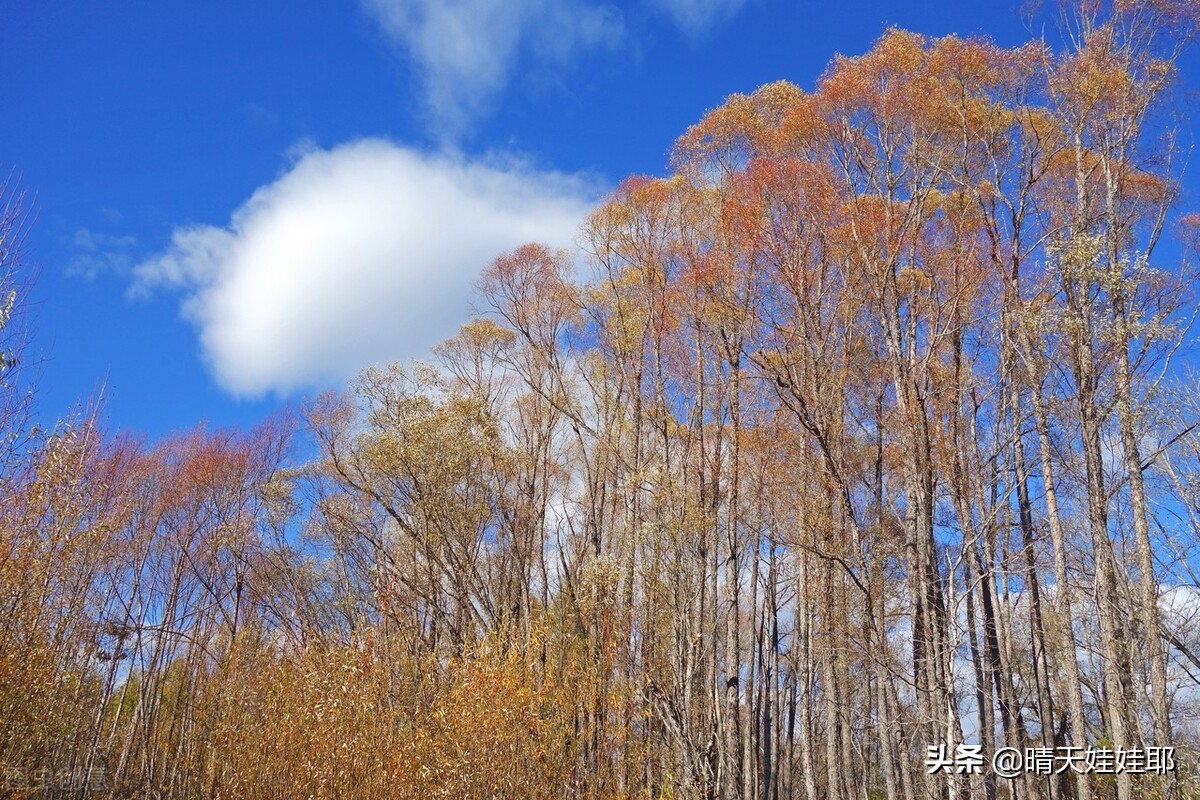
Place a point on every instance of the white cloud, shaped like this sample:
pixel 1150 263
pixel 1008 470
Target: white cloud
pixel 466 49
pixel 697 16
pixel 362 254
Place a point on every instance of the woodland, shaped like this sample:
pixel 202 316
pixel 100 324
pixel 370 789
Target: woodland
pixel 872 426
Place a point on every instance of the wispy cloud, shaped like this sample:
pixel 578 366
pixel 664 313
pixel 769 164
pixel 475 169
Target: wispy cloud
pixel 698 16
pixel 466 50
pixel 362 254
pixel 97 253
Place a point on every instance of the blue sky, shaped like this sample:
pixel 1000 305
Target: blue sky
pixel 236 203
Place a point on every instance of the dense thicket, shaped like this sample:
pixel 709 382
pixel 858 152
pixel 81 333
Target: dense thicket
pixel 870 429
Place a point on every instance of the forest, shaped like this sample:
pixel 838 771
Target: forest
pixel 864 442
